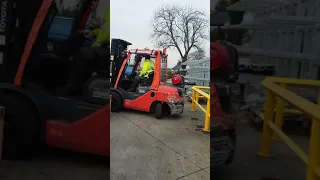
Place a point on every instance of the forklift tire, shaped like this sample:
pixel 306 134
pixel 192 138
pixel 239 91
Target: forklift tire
pixel 116 102
pixel 159 111
pixel 21 128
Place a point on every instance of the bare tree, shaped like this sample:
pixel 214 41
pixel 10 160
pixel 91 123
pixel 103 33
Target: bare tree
pixel 180 27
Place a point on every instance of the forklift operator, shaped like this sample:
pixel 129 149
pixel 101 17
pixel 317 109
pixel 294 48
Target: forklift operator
pixel 85 62
pixel 147 68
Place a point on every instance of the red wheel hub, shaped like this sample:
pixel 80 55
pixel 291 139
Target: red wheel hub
pixel 176 79
pixel 218 56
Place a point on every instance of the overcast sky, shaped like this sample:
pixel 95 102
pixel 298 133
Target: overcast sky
pixel 130 21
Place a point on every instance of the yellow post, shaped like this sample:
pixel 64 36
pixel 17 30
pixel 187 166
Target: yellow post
pixel 279 114
pixel 207 121
pixel 267 132
pixel 193 104
pixel 314 148
pixel 197 97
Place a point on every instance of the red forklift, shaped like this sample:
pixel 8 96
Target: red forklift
pixel 223 72
pixel 153 95
pixel 30 79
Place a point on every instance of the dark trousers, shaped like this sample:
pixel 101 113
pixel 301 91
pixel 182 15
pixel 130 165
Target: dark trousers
pixel 85 63
pixel 137 80
pixel 81 68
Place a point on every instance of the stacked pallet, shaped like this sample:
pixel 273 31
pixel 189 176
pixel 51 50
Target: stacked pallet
pixel 198 71
pixel 285 33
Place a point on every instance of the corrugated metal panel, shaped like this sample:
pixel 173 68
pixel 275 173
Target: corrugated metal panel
pixel 285 33
pixel 198 71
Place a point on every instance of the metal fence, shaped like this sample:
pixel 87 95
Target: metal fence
pixel 197 92
pixel 277 95
pixel 198 71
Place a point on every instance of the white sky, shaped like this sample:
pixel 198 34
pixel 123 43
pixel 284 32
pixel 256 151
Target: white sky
pixel 130 21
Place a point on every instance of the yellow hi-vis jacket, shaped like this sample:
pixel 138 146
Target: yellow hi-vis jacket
pixel 103 34
pixel 147 67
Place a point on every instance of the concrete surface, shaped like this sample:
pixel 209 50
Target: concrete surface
pixel 143 147
pixel 283 165
pixel 57 165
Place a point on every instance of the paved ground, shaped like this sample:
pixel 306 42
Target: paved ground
pixel 57 165
pixel 143 147
pixel 283 166
pixel 172 148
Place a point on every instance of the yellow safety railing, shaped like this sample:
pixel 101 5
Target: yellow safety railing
pixel 276 96
pixel 196 94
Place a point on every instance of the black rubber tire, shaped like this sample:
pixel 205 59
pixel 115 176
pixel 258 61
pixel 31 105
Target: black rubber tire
pixel 226 104
pixel 159 111
pixel 231 157
pixel 233 138
pixel 231 152
pixel 21 128
pixel 116 102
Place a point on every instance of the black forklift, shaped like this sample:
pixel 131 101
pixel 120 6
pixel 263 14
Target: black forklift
pixel 31 78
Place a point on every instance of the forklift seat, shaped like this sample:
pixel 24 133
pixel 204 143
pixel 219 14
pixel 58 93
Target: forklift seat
pixel 102 66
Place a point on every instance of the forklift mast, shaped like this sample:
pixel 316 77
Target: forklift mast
pixel 117 48
pixel 16 20
pixel 83 13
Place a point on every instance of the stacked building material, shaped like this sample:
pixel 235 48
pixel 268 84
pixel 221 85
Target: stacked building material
pixel 198 71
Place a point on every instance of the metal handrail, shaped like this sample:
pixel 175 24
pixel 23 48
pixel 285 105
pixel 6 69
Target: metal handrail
pixel 277 94
pixel 196 94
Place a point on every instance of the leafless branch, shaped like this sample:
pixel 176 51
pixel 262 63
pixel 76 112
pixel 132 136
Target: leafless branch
pixel 180 27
